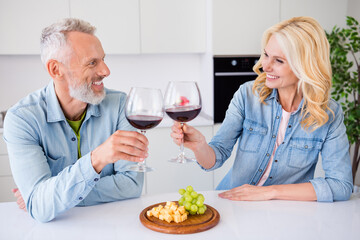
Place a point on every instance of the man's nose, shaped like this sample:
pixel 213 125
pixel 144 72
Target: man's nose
pixel 103 69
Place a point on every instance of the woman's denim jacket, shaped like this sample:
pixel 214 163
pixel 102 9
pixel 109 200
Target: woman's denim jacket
pixel 255 125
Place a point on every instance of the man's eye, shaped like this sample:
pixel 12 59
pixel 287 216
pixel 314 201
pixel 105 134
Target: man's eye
pixel 92 63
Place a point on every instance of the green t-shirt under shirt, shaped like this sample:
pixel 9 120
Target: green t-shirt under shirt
pixel 75 125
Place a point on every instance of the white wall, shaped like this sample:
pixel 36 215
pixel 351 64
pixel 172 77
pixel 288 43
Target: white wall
pixel 354 9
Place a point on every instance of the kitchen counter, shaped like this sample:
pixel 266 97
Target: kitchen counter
pixel 238 220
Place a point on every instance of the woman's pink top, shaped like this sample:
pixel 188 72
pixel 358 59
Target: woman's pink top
pixel 279 139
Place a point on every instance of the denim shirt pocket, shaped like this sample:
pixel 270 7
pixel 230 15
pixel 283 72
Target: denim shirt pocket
pixel 252 136
pixel 303 151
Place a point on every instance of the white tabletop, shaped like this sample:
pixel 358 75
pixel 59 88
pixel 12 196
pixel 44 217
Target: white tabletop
pixel 238 220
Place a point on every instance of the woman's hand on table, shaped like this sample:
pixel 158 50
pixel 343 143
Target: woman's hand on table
pixel 248 192
pixel 20 201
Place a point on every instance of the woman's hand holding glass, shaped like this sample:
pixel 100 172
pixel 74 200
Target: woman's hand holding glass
pixel 182 104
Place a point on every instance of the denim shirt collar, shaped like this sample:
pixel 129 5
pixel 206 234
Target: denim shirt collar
pixel 54 111
pixel 274 95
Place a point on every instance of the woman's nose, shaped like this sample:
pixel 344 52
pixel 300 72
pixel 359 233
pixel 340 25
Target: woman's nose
pixel 266 65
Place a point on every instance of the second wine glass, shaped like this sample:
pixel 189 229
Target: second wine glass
pixel 182 104
pixel 144 110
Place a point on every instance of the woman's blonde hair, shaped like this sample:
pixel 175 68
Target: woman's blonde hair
pixel 306 48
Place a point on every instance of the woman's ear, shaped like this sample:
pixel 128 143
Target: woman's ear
pixel 54 68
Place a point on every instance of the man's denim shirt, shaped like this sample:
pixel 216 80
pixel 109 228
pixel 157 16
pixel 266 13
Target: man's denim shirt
pixel 44 160
pixel 255 126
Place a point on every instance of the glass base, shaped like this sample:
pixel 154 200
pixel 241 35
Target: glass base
pixel 140 168
pixel 181 159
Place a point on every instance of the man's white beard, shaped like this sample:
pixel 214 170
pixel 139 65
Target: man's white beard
pixel 84 93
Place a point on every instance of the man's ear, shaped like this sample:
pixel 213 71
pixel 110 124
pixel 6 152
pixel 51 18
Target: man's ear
pixel 54 68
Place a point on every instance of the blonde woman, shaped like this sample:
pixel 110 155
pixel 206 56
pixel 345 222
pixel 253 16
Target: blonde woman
pixel 282 121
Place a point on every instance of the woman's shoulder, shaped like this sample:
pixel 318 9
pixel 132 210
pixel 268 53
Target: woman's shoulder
pixel 335 106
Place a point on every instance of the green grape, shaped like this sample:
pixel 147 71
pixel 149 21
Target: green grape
pixel 201 197
pixel 181 191
pixel 187 194
pixel 193 208
pixel 188 198
pixel 194 194
pixel 187 205
pixel 199 203
pixel 201 210
pixel 192 201
pixel 189 189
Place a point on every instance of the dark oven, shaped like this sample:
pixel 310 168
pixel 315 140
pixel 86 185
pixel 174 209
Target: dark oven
pixel 229 74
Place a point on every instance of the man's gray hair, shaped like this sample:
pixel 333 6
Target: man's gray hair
pixel 53 41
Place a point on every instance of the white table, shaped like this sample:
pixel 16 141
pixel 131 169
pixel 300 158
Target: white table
pixel 238 220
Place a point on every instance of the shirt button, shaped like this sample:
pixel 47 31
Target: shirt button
pixel 270 177
pixel 267 154
pixel 96 179
pixel 276 160
pixel 252 183
pixel 260 170
pixel 277 117
pixel 80 198
pixel 289 126
pixel 250 129
pixel 306 146
pixel 273 136
pixel 73 139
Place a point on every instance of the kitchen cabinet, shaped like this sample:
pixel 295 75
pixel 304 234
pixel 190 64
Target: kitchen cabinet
pixel 21 23
pixel 173 26
pixel 119 30
pixel 238 25
pixel 123 26
pixel 146 26
pixel 327 12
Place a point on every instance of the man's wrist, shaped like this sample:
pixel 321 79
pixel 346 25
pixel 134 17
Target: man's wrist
pixel 95 162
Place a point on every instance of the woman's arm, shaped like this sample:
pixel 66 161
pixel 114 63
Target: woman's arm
pixel 298 192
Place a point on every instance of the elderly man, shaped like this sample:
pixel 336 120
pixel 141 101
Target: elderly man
pixel 69 143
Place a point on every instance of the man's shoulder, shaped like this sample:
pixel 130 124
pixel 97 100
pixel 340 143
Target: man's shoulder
pixel 33 100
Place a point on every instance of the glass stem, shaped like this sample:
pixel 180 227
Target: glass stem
pixel 143 132
pixel 182 143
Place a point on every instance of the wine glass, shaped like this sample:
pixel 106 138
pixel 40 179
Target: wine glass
pixel 182 104
pixel 144 110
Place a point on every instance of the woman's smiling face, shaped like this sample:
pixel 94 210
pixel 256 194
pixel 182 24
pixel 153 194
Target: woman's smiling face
pixel 278 72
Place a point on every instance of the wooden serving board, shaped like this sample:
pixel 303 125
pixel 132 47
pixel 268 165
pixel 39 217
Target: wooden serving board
pixel 193 224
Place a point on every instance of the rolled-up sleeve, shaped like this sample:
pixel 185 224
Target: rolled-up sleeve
pixel 337 184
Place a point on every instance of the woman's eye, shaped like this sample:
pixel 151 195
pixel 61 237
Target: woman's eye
pixel 279 60
pixel 265 54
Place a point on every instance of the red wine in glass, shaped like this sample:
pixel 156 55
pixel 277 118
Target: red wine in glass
pixel 183 114
pixel 144 122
